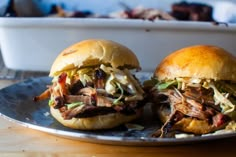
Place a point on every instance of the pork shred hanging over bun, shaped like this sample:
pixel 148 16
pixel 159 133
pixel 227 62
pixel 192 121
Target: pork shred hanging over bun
pixel 193 90
pixel 93 86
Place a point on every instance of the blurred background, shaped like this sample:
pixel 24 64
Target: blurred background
pixel 24 39
pixel 223 10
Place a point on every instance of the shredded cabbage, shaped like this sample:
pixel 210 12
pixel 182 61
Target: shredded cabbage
pixel 118 82
pixel 220 98
pixel 50 102
pixel 85 75
pixel 131 126
pixel 110 85
pixel 231 126
pixel 73 105
pixel 133 82
pixel 165 85
pixel 134 97
pixel 117 101
pixel 70 74
pixel 84 78
pixel 121 79
pixel 225 104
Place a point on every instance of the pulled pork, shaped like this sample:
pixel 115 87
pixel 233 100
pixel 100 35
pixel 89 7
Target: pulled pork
pixel 89 98
pixel 192 106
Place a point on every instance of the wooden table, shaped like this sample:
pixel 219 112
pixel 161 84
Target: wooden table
pixel 19 141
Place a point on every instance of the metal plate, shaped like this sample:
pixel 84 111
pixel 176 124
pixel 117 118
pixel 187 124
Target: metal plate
pixel 16 105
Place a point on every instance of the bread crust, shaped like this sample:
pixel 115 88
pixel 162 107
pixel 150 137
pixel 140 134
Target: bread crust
pixel 96 122
pixel 199 61
pixel 94 52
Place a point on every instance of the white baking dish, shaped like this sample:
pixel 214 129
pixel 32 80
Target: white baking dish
pixel 33 43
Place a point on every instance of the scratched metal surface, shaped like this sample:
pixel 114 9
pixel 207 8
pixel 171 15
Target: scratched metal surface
pixel 16 105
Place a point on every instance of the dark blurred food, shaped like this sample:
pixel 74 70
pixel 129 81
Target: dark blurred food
pixel 143 13
pixel 22 8
pixel 180 11
pixel 58 11
pixel 10 10
pixel 192 11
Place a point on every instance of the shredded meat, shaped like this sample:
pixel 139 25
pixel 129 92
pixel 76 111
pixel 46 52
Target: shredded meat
pixel 79 98
pixel 104 101
pixel 89 91
pixel 100 76
pixel 96 102
pixel 86 111
pixel 202 96
pixel 167 128
pixel 92 95
pixel 103 106
pixel 62 84
pixel 192 104
pixel 44 95
pixel 220 120
pixel 76 87
pixel 59 102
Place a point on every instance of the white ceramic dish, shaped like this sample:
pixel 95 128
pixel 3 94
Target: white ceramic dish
pixel 33 43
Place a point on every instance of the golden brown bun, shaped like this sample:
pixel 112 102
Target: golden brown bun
pixel 94 52
pixel 193 125
pixel 94 123
pixel 200 61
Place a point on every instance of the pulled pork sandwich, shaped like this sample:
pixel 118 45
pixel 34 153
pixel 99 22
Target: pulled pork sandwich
pixel 93 87
pixel 194 91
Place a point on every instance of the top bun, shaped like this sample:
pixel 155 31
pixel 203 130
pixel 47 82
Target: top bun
pixel 199 61
pixel 94 52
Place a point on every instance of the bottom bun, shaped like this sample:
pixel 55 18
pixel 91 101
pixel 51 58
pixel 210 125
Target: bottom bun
pixel 193 125
pixel 94 123
pixel 186 124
